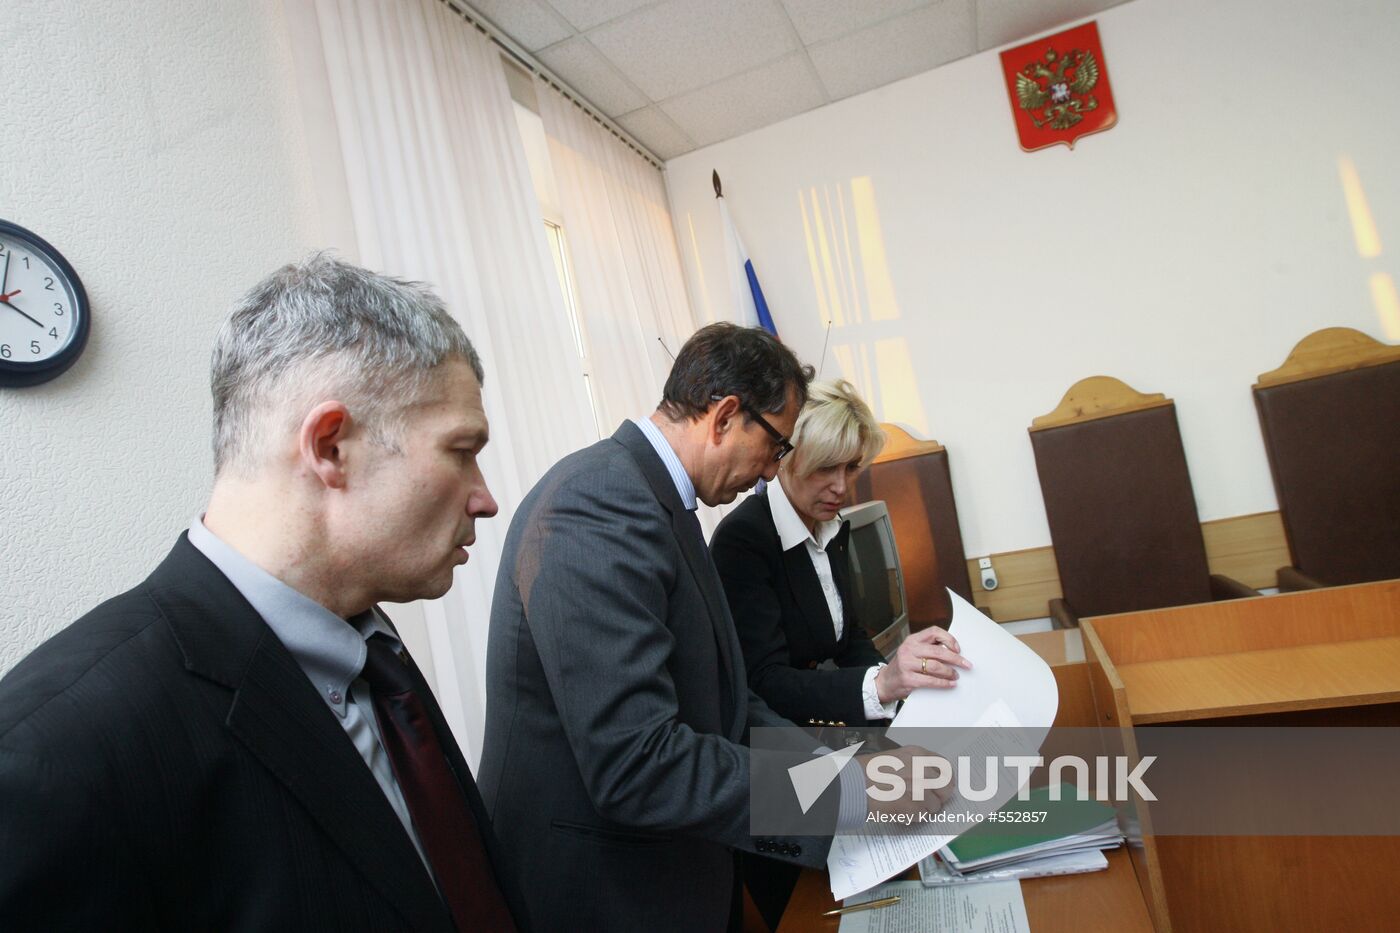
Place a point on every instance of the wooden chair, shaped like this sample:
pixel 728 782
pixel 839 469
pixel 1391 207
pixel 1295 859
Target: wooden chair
pixel 1120 506
pixel 912 478
pixel 1330 416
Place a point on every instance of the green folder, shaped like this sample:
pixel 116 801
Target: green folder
pixel 1066 817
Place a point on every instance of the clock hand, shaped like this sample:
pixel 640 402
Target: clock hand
pixel 13 308
pixel 6 280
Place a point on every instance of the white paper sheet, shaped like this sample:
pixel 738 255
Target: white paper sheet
pixel 1005 669
pixel 1008 686
pixel 995 907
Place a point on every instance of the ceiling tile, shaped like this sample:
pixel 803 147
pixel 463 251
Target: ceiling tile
pixel 897 48
pixel 528 22
pixel 747 101
pixel 681 45
pixel 654 130
pixel 819 20
pixel 1001 22
pixel 584 70
pixel 585 14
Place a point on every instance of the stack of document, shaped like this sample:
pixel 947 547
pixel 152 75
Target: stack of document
pixel 1029 838
pixel 1004 706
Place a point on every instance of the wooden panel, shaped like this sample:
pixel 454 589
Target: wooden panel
pixel 1112 710
pixel 1098 902
pixel 1076 708
pixel 1297 883
pixel 1330 350
pixel 1349 673
pixel 1063 650
pixel 1097 397
pixel 1249 548
pixel 900 444
pixel 1261 884
pixel 1028 581
pixel 1340 613
pixel 1108 900
pixel 1057 648
pixel 1264 883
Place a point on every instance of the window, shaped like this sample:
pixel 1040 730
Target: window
pixel 542 175
pixel 558 249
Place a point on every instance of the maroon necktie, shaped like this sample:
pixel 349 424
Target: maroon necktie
pixel 445 825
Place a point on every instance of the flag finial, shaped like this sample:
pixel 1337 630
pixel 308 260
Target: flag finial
pixel 714 177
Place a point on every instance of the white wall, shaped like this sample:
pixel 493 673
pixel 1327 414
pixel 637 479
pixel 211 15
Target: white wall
pixel 1184 251
pixel 157 145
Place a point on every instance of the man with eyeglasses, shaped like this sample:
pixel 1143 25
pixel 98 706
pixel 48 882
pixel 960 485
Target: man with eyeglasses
pixel 613 766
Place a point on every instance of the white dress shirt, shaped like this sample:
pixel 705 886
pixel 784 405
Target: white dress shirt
pixel 792 532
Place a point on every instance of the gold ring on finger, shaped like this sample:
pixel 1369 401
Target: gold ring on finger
pixel 923 666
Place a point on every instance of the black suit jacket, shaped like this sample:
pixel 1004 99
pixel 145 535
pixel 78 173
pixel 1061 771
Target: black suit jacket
pixel 784 624
pixel 166 765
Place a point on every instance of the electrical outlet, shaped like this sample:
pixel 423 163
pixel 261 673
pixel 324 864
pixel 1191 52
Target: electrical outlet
pixel 989 575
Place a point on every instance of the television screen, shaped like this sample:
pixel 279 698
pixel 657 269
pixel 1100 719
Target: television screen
pixel 877 591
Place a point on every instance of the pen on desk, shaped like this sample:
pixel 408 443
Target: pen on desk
pixel 868 905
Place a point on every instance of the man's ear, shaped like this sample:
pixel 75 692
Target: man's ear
pixel 320 442
pixel 722 418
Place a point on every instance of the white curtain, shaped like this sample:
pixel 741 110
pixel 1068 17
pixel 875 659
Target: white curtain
pixel 438 188
pixel 627 270
pixel 627 266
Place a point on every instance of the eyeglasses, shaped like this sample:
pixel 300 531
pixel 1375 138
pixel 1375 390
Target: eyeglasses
pixel 783 444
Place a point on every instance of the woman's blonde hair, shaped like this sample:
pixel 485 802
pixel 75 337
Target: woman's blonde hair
pixel 835 426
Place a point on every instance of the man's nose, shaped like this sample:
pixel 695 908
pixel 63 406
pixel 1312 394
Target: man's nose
pixel 481 504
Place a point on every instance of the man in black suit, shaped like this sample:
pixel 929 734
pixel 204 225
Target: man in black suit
pixel 240 742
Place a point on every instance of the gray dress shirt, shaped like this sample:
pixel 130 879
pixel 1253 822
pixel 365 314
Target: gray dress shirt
pixel 329 650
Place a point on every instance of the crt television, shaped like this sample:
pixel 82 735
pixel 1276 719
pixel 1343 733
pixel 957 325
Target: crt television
pixel 877 582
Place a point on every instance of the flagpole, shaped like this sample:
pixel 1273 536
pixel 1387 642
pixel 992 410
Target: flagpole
pixel 821 363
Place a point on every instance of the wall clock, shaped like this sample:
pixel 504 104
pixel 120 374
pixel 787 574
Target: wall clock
pixel 44 318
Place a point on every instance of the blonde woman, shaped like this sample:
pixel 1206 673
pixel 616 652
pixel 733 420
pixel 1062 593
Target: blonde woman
pixel 781 557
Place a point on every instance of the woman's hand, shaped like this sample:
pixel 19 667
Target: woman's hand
pixel 928 658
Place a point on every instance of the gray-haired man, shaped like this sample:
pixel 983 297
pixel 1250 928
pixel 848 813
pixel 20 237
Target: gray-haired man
pixel 240 742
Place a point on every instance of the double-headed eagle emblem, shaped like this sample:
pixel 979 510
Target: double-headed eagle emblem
pixel 1060 85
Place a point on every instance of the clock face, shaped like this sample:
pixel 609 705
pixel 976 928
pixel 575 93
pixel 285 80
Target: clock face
pixel 43 309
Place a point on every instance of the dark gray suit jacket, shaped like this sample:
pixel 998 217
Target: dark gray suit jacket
pixel 617 704
pixel 166 765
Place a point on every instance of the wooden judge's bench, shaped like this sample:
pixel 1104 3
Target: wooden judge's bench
pixel 1317 658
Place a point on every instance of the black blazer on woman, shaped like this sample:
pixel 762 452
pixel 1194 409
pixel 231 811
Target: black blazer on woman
pixel 784 624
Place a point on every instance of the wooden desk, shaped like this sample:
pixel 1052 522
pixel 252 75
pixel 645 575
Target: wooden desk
pixel 1108 901
pixel 1252 683
pixel 1321 657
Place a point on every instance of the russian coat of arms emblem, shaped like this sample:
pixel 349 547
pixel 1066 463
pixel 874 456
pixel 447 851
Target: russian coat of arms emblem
pixel 1059 88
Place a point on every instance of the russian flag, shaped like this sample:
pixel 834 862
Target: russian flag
pixel 748 302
